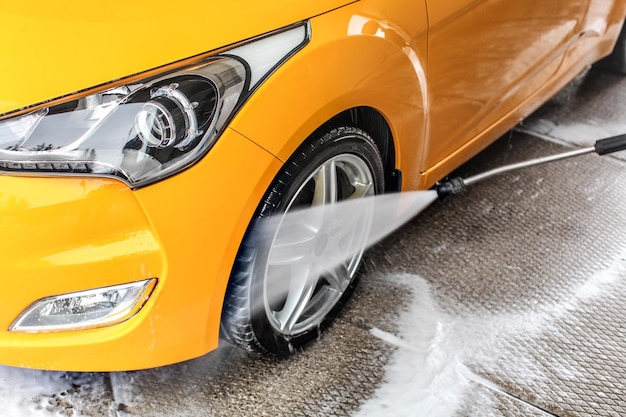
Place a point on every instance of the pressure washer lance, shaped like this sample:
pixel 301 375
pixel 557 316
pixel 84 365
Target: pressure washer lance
pixel 458 185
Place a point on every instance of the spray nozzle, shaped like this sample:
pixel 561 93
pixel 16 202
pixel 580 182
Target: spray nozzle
pixel 449 187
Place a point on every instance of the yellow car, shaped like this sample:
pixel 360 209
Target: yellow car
pixel 141 144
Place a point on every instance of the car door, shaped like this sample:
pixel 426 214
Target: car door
pixel 487 56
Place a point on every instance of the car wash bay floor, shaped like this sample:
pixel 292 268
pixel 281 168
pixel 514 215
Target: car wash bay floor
pixel 509 300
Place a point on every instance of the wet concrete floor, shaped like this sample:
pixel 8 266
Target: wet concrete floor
pixel 506 301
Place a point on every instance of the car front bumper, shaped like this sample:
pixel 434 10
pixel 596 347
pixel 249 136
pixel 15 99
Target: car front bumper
pixel 62 235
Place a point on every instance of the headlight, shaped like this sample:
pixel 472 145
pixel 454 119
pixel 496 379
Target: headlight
pixel 144 130
pixel 85 309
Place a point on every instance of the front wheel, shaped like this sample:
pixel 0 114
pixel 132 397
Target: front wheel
pixel 278 299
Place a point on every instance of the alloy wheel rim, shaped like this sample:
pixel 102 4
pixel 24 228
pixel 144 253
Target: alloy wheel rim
pixel 304 279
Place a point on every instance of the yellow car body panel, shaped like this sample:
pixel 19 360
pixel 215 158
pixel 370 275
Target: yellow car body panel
pixel 477 91
pixel 350 71
pixel 65 234
pixel 88 44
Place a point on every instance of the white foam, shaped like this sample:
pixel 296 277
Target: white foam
pixel 29 393
pixel 603 280
pixel 427 374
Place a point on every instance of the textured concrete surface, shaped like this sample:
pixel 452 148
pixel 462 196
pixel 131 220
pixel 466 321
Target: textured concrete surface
pixel 526 269
pixel 525 248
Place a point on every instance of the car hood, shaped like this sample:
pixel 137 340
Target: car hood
pixel 55 48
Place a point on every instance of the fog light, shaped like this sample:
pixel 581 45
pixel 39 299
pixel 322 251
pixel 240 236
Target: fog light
pixel 85 309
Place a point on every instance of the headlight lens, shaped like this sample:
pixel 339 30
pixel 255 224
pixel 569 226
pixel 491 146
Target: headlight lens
pixel 146 130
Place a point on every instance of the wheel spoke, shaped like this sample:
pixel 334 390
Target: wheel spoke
pixel 361 190
pixel 294 248
pixel 348 237
pixel 300 290
pixel 326 184
pixel 324 195
pixel 338 278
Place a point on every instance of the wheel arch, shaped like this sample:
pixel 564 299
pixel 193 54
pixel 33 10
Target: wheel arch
pixel 374 82
pixel 374 124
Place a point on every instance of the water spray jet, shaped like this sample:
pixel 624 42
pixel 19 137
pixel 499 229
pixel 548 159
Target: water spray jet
pixel 378 216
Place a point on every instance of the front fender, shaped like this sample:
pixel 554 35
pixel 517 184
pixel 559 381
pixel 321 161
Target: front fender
pixel 354 59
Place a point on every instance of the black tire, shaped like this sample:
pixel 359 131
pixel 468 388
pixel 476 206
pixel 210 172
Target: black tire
pixel 258 322
pixel 616 62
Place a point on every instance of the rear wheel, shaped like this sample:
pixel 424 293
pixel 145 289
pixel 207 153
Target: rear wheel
pixel 278 299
